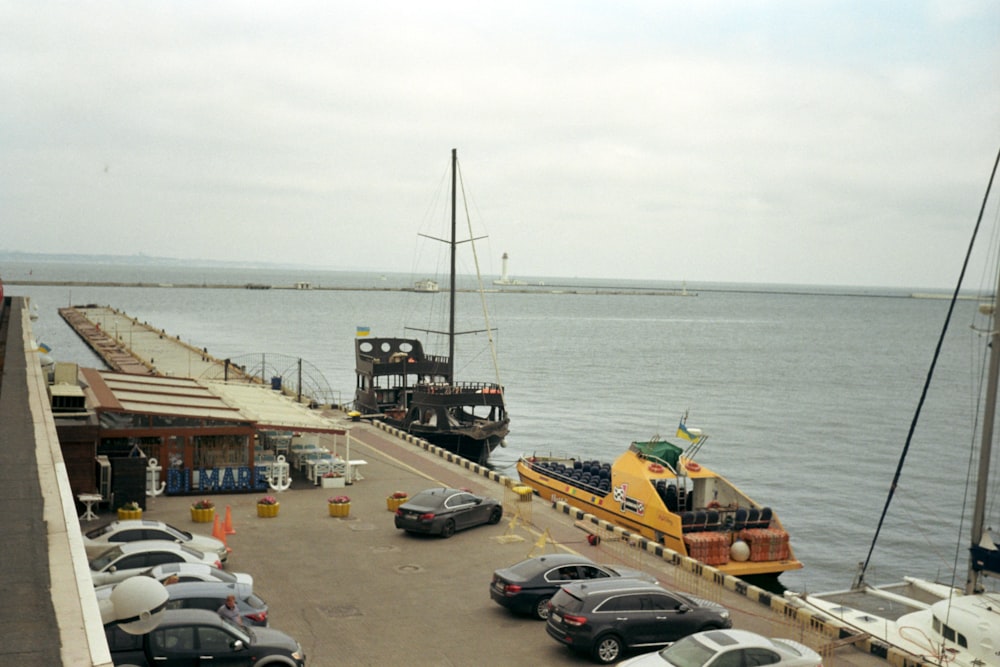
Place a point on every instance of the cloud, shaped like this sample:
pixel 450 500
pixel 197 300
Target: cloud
pixel 764 141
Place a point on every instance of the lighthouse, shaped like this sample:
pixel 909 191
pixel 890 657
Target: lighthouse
pixel 504 278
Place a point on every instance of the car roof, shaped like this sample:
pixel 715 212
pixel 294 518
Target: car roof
pixel 152 545
pixel 185 589
pixel 728 638
pixel 190 616
pixel 611 585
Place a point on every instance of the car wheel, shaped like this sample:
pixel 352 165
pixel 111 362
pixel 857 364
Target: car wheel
pixel 448 529
pixel 542 608
pixel 607 649
pixel 496 515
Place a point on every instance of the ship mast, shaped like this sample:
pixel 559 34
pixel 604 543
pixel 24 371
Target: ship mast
pixel 972 584
pixel 451 288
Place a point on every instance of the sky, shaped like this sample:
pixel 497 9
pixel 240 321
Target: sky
pixel 755 141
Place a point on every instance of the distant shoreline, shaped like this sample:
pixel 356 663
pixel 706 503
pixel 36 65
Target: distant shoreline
pixel 511 289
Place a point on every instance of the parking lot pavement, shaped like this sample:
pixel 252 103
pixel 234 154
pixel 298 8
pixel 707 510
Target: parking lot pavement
pixel 356 591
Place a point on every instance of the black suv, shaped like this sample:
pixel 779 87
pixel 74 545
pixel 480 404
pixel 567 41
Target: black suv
pixel 606 617
pixel 196 636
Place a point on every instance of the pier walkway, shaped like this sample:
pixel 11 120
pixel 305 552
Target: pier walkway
pixel 353 591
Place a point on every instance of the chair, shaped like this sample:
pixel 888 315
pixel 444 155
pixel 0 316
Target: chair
pixel 765 518
pixel 740 519
pixel 712 520
pixel 700 520
pixel 753 516
pixel 687 522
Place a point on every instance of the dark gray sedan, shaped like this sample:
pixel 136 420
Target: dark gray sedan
pixel 442 511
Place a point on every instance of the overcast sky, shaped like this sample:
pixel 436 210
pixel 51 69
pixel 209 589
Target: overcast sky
pixel 842 143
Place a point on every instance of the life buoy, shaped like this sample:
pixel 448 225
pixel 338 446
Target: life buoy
pixel 655 467
pixel 692 466
pixel 713 505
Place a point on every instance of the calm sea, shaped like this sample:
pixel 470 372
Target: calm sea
pixel 806 395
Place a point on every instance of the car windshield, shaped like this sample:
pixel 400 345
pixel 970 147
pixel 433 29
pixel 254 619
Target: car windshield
pixel 193 552
pixel 105 559
pixel 100 530
pixel 688 652
pixel 564 600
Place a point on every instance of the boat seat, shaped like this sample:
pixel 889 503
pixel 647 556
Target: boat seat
pixel 700 519
pixel 687 521
pixel 740 519
pixel 753 516
pixel 711 520
pixel 765 518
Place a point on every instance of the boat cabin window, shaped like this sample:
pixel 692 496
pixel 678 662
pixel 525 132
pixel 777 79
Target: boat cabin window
pixel 949 634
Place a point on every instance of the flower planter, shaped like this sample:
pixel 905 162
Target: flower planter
pixel 125 515
pixel 392 504
pixel 339 509
pixel 332 482
pixel 203 515
pixel 268 511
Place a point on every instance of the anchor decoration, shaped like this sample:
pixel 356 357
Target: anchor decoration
pixel 154 487
pixel 280 479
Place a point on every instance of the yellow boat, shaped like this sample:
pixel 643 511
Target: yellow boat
pixel 657 490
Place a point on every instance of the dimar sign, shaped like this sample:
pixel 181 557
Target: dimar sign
pixel 241 478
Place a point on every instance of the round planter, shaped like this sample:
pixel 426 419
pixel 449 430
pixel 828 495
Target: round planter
pixel 339 509
pixel 125 515
pixel 268 511
pixel 203 515
pixel 392 504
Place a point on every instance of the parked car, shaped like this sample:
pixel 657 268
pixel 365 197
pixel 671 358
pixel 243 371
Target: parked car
pixel 98 540
pixel 200 572
pixel 729 648
pixel 199 637
pixel 209 595
pixel 527 587
pixel 607 617
pixel 131 558
pixel 442 511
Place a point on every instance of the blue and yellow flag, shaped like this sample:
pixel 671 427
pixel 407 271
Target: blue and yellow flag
pixel 683 432
pixel 43 348
pixel 364 331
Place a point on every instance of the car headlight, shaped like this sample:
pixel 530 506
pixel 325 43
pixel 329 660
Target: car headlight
pixel 724 613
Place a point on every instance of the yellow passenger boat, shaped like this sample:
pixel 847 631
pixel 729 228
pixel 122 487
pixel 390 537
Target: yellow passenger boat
pixel 657 490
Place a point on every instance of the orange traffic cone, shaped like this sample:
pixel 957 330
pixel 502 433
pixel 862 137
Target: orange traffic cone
pixel 229 521
pixel 219 533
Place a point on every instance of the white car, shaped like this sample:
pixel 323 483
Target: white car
pixel 724 648
pixel 186 572
pixel 131 558
pixel 98 540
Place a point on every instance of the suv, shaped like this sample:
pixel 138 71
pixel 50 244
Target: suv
pixel 187 636
pixel 606 617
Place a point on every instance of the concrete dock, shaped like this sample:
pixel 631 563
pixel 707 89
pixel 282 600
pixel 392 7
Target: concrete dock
pixel 356 591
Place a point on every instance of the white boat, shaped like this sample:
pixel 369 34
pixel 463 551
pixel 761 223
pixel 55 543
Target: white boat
pixel 938 624
pixel 426 286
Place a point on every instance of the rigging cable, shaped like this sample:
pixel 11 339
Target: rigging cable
pixel 930 373
pixel 482 293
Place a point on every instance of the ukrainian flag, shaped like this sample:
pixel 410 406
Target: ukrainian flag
pixel 43 348
pixel 683 432
pixel 364 331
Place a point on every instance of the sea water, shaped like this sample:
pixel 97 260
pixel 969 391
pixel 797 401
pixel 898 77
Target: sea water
pixel 806 394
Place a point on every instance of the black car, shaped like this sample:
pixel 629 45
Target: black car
pixel 442 511
pixel 198 637
pixel 606 617
pixel 527 587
